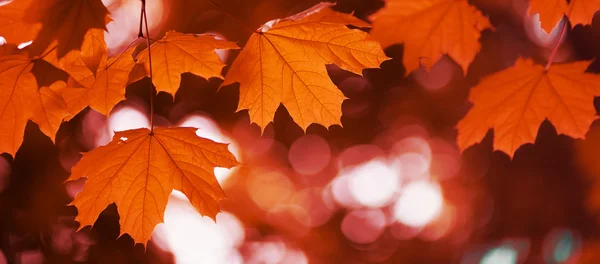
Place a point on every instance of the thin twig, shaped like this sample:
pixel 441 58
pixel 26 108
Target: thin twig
pixel 563 32
pixel 122 52
pixel 140 33
pixel 151 39
pixel 231 16
pixel 145 15
pixel 48 52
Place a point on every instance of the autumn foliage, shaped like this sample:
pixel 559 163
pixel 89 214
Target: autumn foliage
pixel 283 63
pixel 139 169
pixel 430 29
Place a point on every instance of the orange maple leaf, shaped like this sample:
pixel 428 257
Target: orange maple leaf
pixel 50 109
pixel 430 29
pixel 103 89
pixel 515 101
pixel 138 170
pixel 82 63
pixel 22 100
pixel 552 11
pixel 178 53
pixel 284 63
pixel 65 22
pixel 12 25
pixel 93 49
pixel 18 91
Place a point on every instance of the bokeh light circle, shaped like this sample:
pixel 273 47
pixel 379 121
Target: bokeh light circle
pixel 268 188
pixel 309 154
pixel 420 203
pixel 373 184
pixel 363 226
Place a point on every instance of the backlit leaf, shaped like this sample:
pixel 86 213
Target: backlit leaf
pixel 18 92
pixel 514 103
pixel 138 170
pixel 93 49
pixel 80 64
pixel 50 109
pixel 178 53
pixel 284 63
pixel 102 90
pixel 66 22
pixel 429 29
pixel 552 11
pixel 12 25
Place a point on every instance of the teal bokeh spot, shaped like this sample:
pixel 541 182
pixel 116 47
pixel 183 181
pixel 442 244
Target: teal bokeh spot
pixel 500 255
pixel 564 247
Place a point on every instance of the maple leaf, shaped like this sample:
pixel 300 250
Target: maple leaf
pixel 178 53
pixel 138 170
pixel 284 63
pixel 552 11
pixel 515 101
pixel 21 100
pixel 93 49
pixel 66 22
pixel 80 63
pixel 430 29
pixel 51 109
pixel 103 89
pixel 18 91
pixel 12 25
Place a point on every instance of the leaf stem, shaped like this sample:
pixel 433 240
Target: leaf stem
pixel 231 16
pixel 140 33
pixel 123 52
pixel 48 52
pixel 145 16
pixel 563 32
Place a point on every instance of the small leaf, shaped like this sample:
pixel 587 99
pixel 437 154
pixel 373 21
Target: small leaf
pixel 93 49
pixel 66 22
pixel 178 53
pixel 51 109
pixel 552 11
pixel 80 64
pixel 582 11
pixel 103 90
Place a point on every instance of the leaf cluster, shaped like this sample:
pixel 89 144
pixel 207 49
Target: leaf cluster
pixel 283 63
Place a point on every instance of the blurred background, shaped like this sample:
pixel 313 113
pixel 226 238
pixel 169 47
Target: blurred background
pixel 388 187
